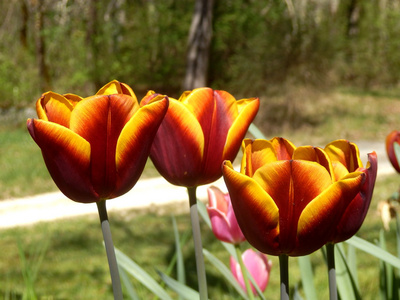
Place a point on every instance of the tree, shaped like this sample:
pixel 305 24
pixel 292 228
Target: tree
pixel 200 36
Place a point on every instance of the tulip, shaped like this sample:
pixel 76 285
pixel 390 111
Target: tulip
pixel 95 148
pixel 287 200
pixel 345 159
pixel 391 139
pixel 258 266
pixel 200 130
pixel 222 216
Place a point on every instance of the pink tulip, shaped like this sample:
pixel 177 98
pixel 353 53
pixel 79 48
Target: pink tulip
pixel 258 266
pixel 223 220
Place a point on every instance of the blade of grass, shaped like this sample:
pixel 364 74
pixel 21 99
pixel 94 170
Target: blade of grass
pixel 141 275
pixel 374 250
pixel 307 277
pixel 225 272
pixel 180 265
pixel 182 290
pixel 128 285
pixel 345 282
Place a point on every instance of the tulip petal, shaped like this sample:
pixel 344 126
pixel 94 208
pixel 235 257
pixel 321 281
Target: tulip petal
pixel 292 184
pixel 319 218
pixel 237 131
pixel 393 137
pixel 283 147
pixel 256 153
pixel 345 153
pixel 100 120
pixel 73 99
pixel 116 87
pixel 215 112
pixel 255 210
pixel 177 150
pixel 67 157
pixel 55 108
pixel 134 143
pixel 315 154
pixel 356 212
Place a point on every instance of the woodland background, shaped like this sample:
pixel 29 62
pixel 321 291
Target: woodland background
pixel 255 47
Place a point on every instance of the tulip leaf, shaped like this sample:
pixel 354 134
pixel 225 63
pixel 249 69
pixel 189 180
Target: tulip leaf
pixel 182 290
pixel 201 208
pixel 253 129
pixel 128 285
pixel 396 147
pixel 179 257
pixel 141 275
pixel 307 277
pixel 225 272
pixel 345 282
pixel 389 282
pixel 374 250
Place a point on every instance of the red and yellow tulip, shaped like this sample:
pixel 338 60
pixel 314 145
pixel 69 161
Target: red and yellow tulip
pixel 391 139
pixel 290 200
pixel 200 130
pixel 95 148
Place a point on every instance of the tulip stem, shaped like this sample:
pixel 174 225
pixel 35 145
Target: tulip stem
pixel 244 272
pixel 112 261
pixel 330 254
pixel 198 247
pixel 284 270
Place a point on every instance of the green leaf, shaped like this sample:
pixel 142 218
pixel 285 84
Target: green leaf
pixel 141 275
pixel 307 277
pixel 253 129
pixel 182 290
pixel 180 265
pixel 374 250
pixel 396 147
pixel 225 272
pixel 345 282
pixel 128 285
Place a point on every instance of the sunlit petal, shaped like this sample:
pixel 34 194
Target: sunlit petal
pixel 317 218
pixel 178 147
pixel 55 108
pixel 133 146
pixel 255 210
pixel 67 157
pixel 256 153
pixel 99 120
pixel 116 87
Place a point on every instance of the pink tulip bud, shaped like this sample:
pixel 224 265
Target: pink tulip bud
pixel 223 220
pixel 258 266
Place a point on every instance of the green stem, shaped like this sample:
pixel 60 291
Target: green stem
pixel 284 270
pixel 244 272
pixel 198 248
pixel 330 254
pixel 112 261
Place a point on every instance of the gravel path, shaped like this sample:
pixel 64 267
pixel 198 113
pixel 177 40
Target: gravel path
pixel 152 194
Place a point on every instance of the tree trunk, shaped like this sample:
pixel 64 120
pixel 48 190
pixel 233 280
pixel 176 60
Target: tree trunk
pixel 199 45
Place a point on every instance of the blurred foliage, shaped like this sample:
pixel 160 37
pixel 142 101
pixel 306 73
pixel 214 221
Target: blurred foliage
pixel 257 46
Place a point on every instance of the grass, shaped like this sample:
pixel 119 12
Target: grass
pixel 75 265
